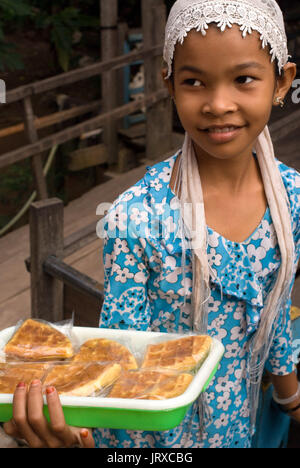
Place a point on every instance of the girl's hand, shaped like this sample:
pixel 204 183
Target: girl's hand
pixel 295 415
pixel 29 422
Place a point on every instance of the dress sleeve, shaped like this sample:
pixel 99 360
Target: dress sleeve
pixel 282 354
pixel 126 304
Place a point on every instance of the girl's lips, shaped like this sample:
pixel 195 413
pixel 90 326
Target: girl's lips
pixel 223 137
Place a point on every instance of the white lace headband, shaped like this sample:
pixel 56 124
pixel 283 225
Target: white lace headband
pixel 263 16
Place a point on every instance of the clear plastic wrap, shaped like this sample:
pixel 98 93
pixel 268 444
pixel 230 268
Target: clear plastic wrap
pixel 150 384
pixel 182 354
pixel 82 378
pixel 13 373
pixel 105 350
pixel 38 340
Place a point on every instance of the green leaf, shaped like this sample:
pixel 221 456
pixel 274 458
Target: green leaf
pixel 63 58
pixel 9 58
pixel 18 7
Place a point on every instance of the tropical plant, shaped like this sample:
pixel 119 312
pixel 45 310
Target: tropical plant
pixel 11 10
pixel 62 24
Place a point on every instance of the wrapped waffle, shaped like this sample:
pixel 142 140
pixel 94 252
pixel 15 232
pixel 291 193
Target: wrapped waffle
pixel 82 379
pixel 13 373
pixel 183 354
pixel 104 350
pixel 35 340
pixel 150 385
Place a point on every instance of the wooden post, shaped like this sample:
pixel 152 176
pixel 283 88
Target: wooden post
pixel 46 238
pixel 109 49
pixel 159 117
pixel 122 36
pixel 36 160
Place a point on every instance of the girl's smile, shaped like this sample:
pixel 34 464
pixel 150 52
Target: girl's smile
pixel 222 134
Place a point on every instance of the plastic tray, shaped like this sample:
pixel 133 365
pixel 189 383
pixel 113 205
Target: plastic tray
pixel 119 413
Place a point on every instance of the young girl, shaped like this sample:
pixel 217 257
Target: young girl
pixel 208 241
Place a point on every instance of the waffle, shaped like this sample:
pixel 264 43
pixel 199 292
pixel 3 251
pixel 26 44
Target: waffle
pixel 82 379
pixel 183 354
pixel 12 374
pixel 36 341
pixel 103 350
pixel 150 385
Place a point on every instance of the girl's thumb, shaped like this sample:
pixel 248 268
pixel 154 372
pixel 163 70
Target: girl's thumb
pixel 87 439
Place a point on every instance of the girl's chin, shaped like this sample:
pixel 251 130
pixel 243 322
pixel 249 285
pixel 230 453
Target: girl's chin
pixel 222 154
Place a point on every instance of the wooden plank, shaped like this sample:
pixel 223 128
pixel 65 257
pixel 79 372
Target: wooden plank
pixel 80 74
pixel 76 130
pixel 159 116
pixel 52 119
pixel 46 238
pixel 109 85
pixel 284 126
pixel 71 276
pixel 88 157
pixel 36 161
pixel 123 31
pixel 76 305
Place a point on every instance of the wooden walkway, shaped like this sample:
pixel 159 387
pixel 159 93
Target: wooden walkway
pixel 14 247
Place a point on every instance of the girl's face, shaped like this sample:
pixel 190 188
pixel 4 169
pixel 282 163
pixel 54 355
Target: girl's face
pixel 223 79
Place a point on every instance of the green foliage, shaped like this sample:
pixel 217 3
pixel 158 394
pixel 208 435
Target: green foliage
pixel 16 180
pixel 62 26
pixel 57 18
pixel 11 10
pixel 9 58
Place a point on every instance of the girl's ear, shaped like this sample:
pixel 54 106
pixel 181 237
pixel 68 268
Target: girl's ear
pixel 285 81
pixel 167 82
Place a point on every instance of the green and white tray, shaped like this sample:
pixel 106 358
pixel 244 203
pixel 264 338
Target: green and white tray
pixel 120 413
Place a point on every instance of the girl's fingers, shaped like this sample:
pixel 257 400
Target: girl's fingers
pixel 11 429
pixel 36 418
pixel 86 438
pixel 58 425
pixel 20 417
pixel 29 422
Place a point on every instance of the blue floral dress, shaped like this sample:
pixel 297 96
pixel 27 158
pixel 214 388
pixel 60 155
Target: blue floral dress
pixel 145 288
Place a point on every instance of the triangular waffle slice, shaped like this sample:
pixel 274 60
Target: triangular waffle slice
pixel 12 374
pixel 36 341
pixel 82 379
pixel 183 354
pixel 104 350
pixel 150 385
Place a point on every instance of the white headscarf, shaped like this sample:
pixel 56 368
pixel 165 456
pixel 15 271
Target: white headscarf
pixel 265 17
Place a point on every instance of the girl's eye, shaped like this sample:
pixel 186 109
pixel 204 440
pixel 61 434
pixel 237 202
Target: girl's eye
pixel 245 79
pixel 192 82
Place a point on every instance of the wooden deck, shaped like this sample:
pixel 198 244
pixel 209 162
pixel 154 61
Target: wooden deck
pixel 14 247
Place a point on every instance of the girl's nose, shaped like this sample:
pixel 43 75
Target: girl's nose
pixel 219 102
